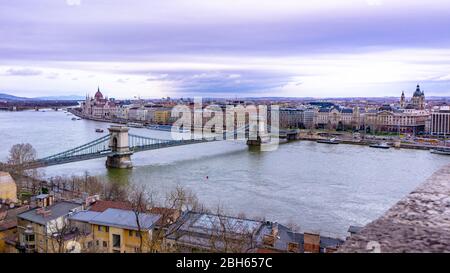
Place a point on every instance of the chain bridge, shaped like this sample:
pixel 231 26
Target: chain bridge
pixel 119 145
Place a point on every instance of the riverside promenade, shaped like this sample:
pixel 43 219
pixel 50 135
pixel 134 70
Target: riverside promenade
pixel 109 120
pixel 418 223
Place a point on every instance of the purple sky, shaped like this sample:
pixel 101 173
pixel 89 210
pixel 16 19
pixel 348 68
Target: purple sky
pixel 224 48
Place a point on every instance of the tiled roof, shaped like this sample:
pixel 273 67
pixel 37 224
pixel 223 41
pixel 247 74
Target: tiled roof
pixel 102 205
pixel 8 224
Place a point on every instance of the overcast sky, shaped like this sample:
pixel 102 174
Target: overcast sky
pixel 224 48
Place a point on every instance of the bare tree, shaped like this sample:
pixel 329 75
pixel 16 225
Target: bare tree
pixel 176 201
pixel 21 153
pixel 293 226
pixel 115 191
pixel 60 234
pixel 231 234
pixel 140 199
pixel 183 199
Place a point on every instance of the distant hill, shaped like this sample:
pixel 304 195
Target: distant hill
pixel 69 97
pixel 8 97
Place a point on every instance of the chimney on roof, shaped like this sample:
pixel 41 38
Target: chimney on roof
pixel 44 212
pixel 269 240
pixel 274 229
pixel 91 200
pixel 293 247
pixel 311 242
pixel 45 200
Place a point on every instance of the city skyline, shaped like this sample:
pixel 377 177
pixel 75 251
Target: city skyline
pixel 154 49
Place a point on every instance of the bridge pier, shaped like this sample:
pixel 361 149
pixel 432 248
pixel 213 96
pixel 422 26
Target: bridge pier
pixel 254 142
pixel 292 135
pixel 121 157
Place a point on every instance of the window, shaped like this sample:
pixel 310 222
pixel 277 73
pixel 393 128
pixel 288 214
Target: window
pixel 29 238
pixel 137 234
pixel 105 244
pixel 116 240
pixel 130 233
pixel 106 229
pixel 97 243
pixel 99 228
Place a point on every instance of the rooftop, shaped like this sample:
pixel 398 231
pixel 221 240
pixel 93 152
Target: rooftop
pixel 42 196
pixel 203 223
pixel 84 216
pixel 124 219
pixel 9 220
pixel 354 229
pixel 57 210
pixel 102 205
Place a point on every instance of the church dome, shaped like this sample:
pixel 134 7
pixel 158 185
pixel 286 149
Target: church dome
pixel 418 93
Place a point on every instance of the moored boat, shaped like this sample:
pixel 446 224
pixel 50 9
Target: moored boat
pixel 166 128
pixel 329 141
pixel 441 151
pixel 135 125
pixel 99 130
pixel 383 145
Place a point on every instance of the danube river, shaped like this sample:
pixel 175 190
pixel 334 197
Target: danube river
pixel 319 187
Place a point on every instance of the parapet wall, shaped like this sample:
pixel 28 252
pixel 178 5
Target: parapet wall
pixel 418 223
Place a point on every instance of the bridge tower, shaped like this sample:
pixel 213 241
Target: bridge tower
pixel 121 157
pixel 257 134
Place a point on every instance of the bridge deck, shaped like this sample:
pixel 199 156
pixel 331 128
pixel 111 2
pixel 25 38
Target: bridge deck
pixel 101 147
pixel 65 157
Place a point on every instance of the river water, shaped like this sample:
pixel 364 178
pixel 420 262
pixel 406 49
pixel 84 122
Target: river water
pixel 322 188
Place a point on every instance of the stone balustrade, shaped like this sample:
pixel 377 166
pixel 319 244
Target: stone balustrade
pixel 418 223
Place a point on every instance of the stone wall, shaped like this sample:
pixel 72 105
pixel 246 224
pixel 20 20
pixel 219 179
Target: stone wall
pixel 418 223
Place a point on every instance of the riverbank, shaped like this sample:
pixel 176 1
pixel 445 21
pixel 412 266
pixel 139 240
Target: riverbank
pixel 35 105
pixel 372 142
pixel 81 115
pixel 361 142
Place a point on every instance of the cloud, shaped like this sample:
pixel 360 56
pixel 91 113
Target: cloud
pixel 157 77
pixel 23 72
pixel 224 47
pixel 73 2
pixel 122 80
pixel 52 76
pixel 374 2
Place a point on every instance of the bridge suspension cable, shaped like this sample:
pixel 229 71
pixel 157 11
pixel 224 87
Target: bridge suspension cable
pixel 101 147
pixel 96 148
